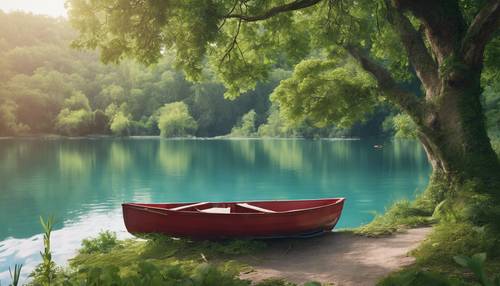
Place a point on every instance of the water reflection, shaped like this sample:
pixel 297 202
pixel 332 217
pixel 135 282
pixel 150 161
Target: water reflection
pixel 83 182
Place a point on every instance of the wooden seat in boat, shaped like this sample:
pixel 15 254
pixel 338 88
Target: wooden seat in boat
pixel 188 206
pixel 217 210
pixel 255 208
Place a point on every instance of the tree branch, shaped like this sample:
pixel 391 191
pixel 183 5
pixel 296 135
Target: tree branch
pixel 443 22
pixel 480 32
pixel 408 101
pixel 295 5
pixel 423 63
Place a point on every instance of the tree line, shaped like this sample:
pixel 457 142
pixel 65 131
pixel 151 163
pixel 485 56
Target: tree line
pixel 46 87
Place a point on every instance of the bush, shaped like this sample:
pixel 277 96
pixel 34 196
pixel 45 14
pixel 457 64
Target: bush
pixel 401 214
pixel 8 120
pixel 404 126
pixel 74 122
pixel 175 121
pixel 120 124
pixel 246 126
pixel 415 277
pixel 76 118
pixel 103 243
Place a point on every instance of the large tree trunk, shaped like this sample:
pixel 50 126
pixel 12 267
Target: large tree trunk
pixel 465 166
pixel 453 131
pixel 447 57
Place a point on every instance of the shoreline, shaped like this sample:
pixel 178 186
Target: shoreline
pixel 158 137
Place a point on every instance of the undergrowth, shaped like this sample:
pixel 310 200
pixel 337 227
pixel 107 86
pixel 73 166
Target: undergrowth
pixel 152 260
pixel 406 214
pixel 495 143
pixel 465 223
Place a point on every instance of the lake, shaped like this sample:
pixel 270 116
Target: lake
pixel 82 182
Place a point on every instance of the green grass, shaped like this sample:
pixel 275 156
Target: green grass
pixel 463 225
pixel 401 215
pixel 435 263
pixel 407 214
pixel 160 260
pixel 155 260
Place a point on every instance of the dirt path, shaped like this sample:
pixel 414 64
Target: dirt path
pixel 339 258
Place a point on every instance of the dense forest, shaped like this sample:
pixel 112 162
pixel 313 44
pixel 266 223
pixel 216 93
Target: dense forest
pixel 46 87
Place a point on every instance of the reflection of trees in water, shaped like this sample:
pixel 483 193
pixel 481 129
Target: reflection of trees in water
pixel 120 157
pixel 405 149
pixel 74 162
pixel 174 157
pixel 45 178
pixel 243 148
pixel 286 154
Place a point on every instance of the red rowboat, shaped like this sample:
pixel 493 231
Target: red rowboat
pixel 258 219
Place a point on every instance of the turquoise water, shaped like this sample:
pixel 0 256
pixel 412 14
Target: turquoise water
pixel 82 182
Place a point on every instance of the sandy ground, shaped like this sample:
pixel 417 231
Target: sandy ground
pixel 338 258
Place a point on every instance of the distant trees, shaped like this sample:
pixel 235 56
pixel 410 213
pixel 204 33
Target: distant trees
pixel 35 88
pixel 246 126
pixel 76 117
pixel 174 120
pixel 274 127
pixel 8 121
pixel 120 124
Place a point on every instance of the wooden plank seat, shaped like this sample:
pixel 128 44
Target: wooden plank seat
pixel 255 208
pixel 188 206
pixel 217 210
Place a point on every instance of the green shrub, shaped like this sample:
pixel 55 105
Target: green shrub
pixel 120 124
pixel 476 263
pixel 449 239
pixel 274 282
pixel 404 126
pixel 103 243
pixel 174 120
pixel 9 123
pixel 74 122
pixel 415 277
pixel 401 214
pixel 246 126
pixel 208 275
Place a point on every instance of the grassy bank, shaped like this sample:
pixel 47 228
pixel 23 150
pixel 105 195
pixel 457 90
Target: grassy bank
pixel 151 260
pixel 462 248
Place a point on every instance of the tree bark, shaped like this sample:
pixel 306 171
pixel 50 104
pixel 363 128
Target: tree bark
pixel 451 121
pixel 454 131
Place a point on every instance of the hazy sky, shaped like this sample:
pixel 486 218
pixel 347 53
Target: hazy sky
pixel 46 7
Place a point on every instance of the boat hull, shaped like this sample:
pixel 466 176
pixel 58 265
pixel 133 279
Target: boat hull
pixel 288 218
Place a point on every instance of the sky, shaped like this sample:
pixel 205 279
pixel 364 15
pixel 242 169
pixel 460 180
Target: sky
pixel 53 8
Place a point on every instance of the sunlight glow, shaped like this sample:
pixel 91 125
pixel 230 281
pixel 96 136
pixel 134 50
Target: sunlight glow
pixel 53 8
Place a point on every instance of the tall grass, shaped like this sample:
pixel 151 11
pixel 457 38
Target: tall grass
pixel 16 274
pixel 45 273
